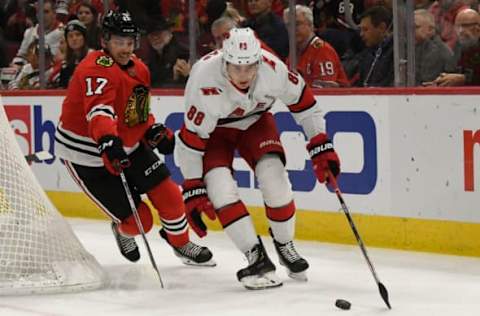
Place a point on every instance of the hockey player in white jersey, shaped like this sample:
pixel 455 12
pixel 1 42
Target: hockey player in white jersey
pixel 227 98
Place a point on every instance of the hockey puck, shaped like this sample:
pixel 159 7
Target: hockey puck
pixel 343 304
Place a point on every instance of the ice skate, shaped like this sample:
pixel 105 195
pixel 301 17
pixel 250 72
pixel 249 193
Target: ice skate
pixel 127 245
pixel 260 273
pixel 191 253
pixel 289 258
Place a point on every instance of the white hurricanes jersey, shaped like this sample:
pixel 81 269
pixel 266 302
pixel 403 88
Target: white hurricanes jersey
pixel 211 100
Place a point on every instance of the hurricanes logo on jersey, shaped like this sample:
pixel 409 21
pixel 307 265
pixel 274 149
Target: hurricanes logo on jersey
pixel 138 106
pixel 105 61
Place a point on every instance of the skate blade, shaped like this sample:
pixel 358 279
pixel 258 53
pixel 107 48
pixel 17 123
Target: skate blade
pixel 266 281
pixel 298 276
pixel 189 262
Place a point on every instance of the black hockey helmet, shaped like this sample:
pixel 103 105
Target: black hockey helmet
pixel 119 23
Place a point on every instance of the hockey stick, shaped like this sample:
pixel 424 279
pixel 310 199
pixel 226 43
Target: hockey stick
pixel 39 156
pixel 139 225
pixel 381 287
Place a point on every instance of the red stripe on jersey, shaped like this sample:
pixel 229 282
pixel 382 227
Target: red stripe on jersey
pixel 230 214
pixel 306 101
pixel 281 214
pixel 192 140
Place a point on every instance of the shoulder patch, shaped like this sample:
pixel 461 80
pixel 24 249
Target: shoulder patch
pixel 317 43
pixel 105 61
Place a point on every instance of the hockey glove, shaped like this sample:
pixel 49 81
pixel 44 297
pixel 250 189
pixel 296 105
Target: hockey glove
pixel 196 203
pixel 161 137
pixel 324 157
pixel 114 156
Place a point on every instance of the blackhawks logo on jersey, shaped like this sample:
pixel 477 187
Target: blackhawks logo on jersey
pixel 138 106
pixel 105 61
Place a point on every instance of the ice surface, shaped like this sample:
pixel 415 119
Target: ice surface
pixel 418 284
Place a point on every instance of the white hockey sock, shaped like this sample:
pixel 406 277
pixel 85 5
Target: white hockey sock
pixel 242 233
pixel 283 231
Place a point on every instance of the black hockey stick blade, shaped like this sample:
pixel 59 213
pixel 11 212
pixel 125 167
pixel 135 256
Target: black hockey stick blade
pixel 39 156
pixel 384 294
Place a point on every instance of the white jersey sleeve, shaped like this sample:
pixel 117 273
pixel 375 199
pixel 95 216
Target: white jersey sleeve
pixel 297 96
pixel 203 108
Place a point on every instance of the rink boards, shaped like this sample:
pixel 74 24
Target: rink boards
pixel 410 165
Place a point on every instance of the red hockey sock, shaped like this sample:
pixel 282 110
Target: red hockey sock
pixel 282 213
pixel 231 213
pixel 129 227
pixel 168 200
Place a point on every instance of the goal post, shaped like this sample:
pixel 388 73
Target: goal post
pixel 39 252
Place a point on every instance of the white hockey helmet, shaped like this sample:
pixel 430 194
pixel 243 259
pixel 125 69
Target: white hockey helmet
pixel 241 47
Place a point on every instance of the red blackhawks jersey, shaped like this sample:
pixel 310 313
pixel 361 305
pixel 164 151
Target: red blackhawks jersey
pixel 103 98
pixel 211 101
pixel 320 61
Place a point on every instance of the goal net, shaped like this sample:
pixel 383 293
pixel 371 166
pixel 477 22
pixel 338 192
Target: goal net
pixel 39 252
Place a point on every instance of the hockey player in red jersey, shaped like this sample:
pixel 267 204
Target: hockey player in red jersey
pixel 106 128
pixel 227 98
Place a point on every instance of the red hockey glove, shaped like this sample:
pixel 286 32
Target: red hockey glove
pixel 114 156
pixel 323 157
pixel 161 137
pixel 197 202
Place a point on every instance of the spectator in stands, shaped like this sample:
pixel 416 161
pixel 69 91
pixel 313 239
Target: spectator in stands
pixel 317 61
pixel 70 7
pixel 277 6
pixel 142 10
pixel 167 59
pixel 220 29
pixel 445 12
pixel 375 62
pixel 215 10
pixel 332 26
pixel 269 27
pixel 53 33
pixel 175 12
pixel 331 14
pixel 467 26
pixel 432 56
pixel 59 57
pixel 29 75
pixel 18 17
pixel 208 12
pixel 88 15
pixel 77 49
pixel 234 14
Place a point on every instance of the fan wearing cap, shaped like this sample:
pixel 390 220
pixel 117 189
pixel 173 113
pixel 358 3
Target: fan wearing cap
pixel 227 100
pixel 76 50
pixel 167 58
pixel 28 77
pixel 106 129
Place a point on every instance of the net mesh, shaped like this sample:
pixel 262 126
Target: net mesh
pixel 39 252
